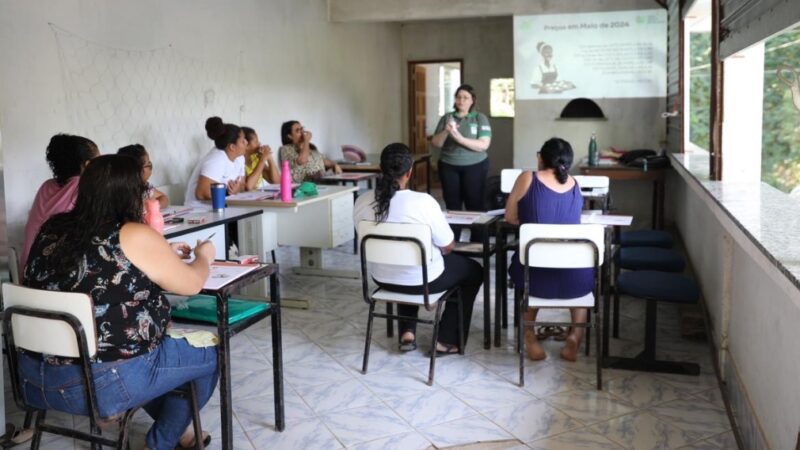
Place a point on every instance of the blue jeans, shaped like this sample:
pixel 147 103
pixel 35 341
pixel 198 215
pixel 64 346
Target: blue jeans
pixel 123 384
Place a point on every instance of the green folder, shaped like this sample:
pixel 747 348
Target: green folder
pixel 203 308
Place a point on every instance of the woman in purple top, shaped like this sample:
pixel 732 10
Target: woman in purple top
pixel 550 196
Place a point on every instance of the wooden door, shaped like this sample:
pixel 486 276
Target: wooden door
pixel 419 142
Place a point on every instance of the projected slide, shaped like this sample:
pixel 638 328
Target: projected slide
pixel 610 54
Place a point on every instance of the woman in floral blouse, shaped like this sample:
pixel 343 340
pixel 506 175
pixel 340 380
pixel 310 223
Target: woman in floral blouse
pixel 102 248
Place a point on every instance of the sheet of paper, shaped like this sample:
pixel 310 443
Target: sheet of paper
pixel 607 219
pixel 253 196
pixel 496 212
pixel 222 273
pixel 462 217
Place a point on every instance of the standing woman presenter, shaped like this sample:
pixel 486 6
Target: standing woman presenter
pixel 464 136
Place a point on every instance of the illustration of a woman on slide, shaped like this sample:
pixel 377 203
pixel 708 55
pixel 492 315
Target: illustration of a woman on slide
pixel 546 73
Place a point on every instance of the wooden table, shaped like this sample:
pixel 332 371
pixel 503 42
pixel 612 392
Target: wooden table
pixel 619 172
pixel 373 164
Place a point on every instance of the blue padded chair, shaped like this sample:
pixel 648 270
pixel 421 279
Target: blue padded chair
pixel 644 258
pixel 654 287
pixel 645 238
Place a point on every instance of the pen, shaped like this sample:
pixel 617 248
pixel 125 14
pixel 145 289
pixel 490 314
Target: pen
pixel 211 236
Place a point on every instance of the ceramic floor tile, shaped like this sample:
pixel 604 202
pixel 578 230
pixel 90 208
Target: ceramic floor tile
pixel 643 430
pixel 328 329
pixel 306 352
pixel 544 379
pixel 691 384
pixel 466 431
pixel 380 359
pixel 725 440
pixel 259 412
pixel 313 373
pixel 387 385
pixel 575 440
pixel 405 441
pixel 700 417
pixel 365 424
pixel 454 370
pixel 642 390
pixel 532 420
pixel 499 360
pixel 337 396
pixel 430 407
pixel 344 345
pixel 590 406
pixel 713 396
pixel 250 362
pixel 491 394
pixel 702 445
pixel 304 434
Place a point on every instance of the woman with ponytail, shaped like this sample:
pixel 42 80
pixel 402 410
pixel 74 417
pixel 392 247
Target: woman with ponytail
pixel 222 164
pixel 392 201
pixel 550 196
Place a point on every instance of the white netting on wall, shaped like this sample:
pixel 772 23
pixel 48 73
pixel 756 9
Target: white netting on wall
pixel 159 98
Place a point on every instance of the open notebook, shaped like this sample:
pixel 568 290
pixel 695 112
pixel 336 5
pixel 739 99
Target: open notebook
pixel 222 273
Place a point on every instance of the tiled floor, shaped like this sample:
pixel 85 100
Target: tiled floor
pixel 330 404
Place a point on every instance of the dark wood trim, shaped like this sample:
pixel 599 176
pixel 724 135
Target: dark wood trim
pixel 716 110
pixel 681 76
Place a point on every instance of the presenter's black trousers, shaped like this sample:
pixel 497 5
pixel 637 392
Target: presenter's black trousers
pixel 458 271
pixel 464 188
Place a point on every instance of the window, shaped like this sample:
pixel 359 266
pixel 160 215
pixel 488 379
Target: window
pixel 697 77
pixel 780 139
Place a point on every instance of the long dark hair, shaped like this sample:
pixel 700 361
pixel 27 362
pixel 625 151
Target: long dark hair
pixel 223 134
pixel 557 155
pixel 395 162
pixel 249 133
pixel 469 90
pixel 286 130
pixel 110 191
pixel 135 151
pixel 66 155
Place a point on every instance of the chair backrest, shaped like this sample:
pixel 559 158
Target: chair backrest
pixel 507 179
pixel 396 252
pixel 175 192
pixel 567 254
pixel 596 185
pixel 50 336
pixel 13 265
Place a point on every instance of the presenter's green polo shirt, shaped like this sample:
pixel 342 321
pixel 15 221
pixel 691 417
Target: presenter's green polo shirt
pixel 474 125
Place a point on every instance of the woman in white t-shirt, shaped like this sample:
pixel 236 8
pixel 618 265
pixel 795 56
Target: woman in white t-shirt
pixel 223 164
pixel 392 201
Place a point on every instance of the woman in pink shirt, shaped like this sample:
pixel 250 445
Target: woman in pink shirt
pixel 67 156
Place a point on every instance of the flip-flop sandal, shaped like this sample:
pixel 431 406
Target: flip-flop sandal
pixel 407 346
pixel 559 333
pixel 544 332
pixel 449 349
pixel 206 443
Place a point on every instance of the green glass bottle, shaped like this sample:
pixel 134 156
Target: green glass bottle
pixel 594 156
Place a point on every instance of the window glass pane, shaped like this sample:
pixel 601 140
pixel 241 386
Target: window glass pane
pixel 780 149
pixel 700 89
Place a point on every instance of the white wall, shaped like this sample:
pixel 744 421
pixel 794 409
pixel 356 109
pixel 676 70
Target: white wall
pixel 266 62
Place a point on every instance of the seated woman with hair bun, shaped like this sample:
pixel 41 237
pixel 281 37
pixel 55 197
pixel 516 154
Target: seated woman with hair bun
pixel 222 164
pixel 393 202
pixel 550 196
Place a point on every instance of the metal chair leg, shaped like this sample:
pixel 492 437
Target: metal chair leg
pixel 598 324
pixel 369 337
pixel 435 338
pixel 588 336
pixel 521 342
pixel 389 321
pixel 198 429
pixel 37 431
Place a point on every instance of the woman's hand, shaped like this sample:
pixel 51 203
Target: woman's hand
pixel 265 151
pixel 182 249
pixel 336 169
pixel 205 250
pixel 452 129
pixel 236 186
pixel 306 137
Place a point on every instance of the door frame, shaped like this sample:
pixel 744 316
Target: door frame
pixel 411 101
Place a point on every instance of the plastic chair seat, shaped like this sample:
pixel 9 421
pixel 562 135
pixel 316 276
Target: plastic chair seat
pixel 385 295
pixel 659 286
pixel 646 238
pixel 587 301
pixel 650 258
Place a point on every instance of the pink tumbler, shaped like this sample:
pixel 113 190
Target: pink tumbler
pixel 286 182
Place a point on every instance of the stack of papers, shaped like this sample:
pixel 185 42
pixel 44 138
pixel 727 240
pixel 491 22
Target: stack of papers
pixel 607 219
pixel 462 217
pixel 222 273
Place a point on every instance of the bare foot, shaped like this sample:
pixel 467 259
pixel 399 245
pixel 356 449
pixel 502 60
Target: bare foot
pixel 535 351
pixel 570 350
pixel 187 439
